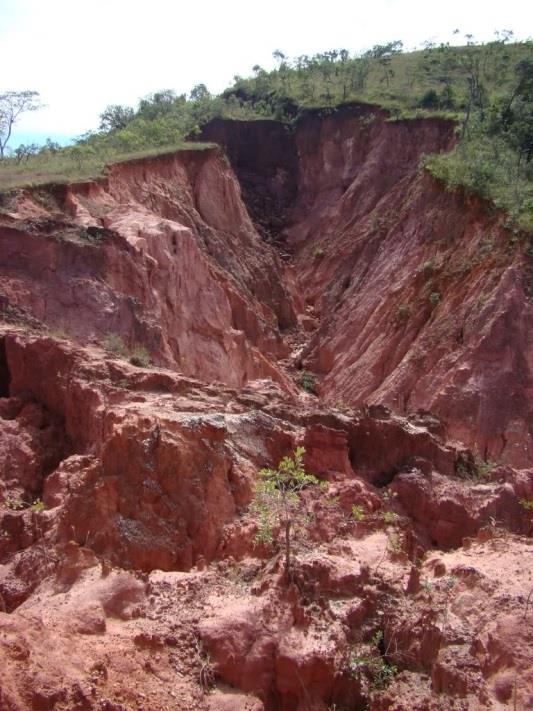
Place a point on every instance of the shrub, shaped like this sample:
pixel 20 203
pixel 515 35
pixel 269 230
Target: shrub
pixel 14 504
pixel 308 382
pixel 278 504
pixel 430 100
pixel 389 517
pixel 403 312
pixel 372 665
pixel 140 357
pixel 484 468
pixel 358 513
pixel 114 343
pixel 434 299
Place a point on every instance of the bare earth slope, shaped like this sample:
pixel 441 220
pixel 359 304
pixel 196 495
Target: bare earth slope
pixel 129 576
pixel 162 253
pixel 424 298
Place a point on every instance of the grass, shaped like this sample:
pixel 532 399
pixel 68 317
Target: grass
pixel 65 167
pixel 487 167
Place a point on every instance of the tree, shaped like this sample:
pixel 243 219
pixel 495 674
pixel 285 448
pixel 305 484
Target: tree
pixel 157 104
pixel 12 105
pixel 115 117
pixel 278 504
pixel 199 92
pixel 25 152
pixel 384 54
pixel 279 56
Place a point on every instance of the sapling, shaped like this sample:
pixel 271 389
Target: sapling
pixel 278 502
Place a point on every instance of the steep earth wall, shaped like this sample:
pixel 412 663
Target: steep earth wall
pixel 162 254
pixel 422 299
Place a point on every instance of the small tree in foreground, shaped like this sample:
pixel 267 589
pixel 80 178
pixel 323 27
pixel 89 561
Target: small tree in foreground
pixel 278 503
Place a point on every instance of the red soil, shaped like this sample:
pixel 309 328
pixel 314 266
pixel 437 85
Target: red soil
pixel 136 583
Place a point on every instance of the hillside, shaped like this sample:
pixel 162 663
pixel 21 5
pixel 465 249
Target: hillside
pixel 486 88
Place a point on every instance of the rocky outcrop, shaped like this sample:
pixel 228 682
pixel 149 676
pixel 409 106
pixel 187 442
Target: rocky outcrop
pixel 151 471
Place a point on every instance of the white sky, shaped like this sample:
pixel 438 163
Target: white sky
pixel 82 56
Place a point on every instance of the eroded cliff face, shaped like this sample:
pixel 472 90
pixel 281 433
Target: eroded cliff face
pixel 421 299
pixel 130 577
pixel 162 253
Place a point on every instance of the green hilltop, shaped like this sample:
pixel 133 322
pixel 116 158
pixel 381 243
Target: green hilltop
pixel 486 88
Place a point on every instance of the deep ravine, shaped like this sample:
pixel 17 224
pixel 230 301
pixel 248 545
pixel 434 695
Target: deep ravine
pixel 129 573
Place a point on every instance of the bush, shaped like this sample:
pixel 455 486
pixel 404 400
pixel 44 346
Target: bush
pixel 114 343
pixel 308 382
pixel 403 312
pixel 430 100
pixel 434 299
pixel 140 357
pixel 278 505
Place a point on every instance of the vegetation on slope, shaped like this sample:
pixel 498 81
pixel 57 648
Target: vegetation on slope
pixel 487 88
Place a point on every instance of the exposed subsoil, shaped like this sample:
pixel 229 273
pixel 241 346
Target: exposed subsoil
pixel 129 573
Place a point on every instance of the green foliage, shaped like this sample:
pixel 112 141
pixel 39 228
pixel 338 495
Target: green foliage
pixel 370 664
pixel 403 312
pixel 114 343
pixel 278 504
pixel 526 504
pixel 434 299
pixel 14 504
pixel 378 223
pixel 318 252
pixel 450 582
pixel 394 542
pixel 307 381
pixel 116 117
pixel 383 674
pixel 389 517
pixel 486 87
pixel 60 332
pixel 81 162
pixel 138 356
pixel 474 469
pixel 358 513
pixel 484 468
pixel 494 156
pixel 18 504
